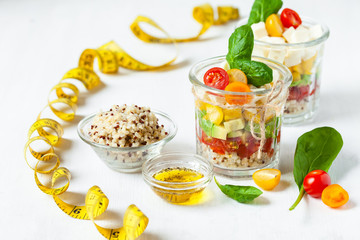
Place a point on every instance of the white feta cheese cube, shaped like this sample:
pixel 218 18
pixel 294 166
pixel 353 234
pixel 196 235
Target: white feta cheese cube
pixel 259 30
pixel 260 51
pixel 315 31
pixel 309 53
pixel 301 34
pixel 277 54
pixel 276 40
pixel 288 34
pixel 293 57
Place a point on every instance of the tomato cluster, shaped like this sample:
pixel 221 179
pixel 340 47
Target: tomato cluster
pixel 237 145
pixel 317 183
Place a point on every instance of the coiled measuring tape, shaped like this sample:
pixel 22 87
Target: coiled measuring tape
pixel 110 57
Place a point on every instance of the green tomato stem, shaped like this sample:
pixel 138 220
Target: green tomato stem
pixel 301 194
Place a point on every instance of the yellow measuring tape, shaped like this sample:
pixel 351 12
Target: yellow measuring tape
pixel 49 131
pixel 203 14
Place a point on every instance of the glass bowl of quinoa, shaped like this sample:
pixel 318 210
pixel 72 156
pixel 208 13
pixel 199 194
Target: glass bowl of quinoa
pixel 126 136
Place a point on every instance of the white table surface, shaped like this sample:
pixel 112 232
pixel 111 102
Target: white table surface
pixel 41 40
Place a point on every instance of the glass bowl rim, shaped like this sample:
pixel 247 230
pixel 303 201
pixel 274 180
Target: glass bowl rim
pixel 193 184
pixel 165 140
pixel 260 91
pixel 305 19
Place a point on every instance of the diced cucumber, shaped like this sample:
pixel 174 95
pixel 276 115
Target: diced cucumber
pixel 234 125
pixel 219 132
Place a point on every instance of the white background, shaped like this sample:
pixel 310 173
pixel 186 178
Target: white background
pixel 41 40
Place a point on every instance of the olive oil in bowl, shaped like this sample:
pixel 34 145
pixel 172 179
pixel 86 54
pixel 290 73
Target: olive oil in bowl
pixel 184 178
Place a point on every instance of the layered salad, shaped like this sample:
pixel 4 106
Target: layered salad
pixel 285 37
pixel 239 104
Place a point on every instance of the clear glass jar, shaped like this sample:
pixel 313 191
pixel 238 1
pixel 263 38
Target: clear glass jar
pixel 239 138
pixel 304 61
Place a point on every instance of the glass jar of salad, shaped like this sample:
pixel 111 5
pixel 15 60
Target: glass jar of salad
pixel 301 49
pixel 238 131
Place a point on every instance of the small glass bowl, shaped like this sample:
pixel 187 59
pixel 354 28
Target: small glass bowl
pixel 127 159
pixel 178 192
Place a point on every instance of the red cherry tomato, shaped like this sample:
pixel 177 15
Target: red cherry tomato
pixel 299 93
pixel 217 78
pixel 290 18
pixel 315 182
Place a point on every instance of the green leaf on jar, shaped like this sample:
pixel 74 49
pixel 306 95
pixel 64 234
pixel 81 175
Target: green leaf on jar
pixel 257 73
pixel 261 9
pixel 241 44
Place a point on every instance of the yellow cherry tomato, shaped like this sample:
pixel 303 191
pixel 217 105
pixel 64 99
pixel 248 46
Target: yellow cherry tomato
pixel 236 75
pixel 334 196
pixel 274 26
pixel 267 178
pixel 214 114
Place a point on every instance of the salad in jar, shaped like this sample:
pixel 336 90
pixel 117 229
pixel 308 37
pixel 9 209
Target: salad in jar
pixel 239 102
pixel 297 42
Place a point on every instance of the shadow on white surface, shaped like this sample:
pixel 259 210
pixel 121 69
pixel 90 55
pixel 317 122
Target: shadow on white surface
pixel 64 144
pixel 283 185
pixel 349 205
pixel 286 163
pixel 260 201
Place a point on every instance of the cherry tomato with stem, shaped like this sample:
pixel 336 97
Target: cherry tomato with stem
pixel 290 18
pixel 315 182
pixel 217 78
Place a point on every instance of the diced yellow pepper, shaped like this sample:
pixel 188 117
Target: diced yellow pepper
pixel 298 68
pixel 200 105
pixel 249 115
pixel 214 114
pixel 296 76
pixel 230 114
pixel 307 65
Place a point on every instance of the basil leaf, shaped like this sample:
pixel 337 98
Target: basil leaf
pixel 261 9
pixel 242 194
pixel 257 73
pixel 241 44
pixel 316 149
